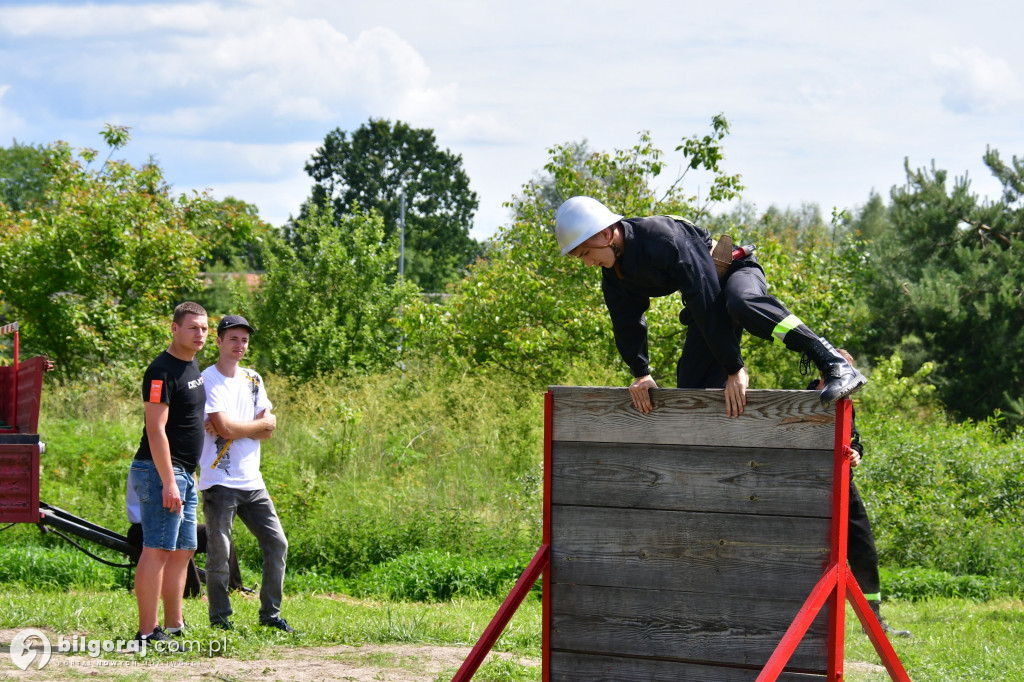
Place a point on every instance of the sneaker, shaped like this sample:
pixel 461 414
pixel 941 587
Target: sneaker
pixel 158 635
pixel 279 623
pixel 222 624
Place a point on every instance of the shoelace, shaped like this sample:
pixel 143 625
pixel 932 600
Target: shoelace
pixel 805 365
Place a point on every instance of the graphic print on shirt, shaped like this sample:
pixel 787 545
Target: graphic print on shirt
pixel 223 460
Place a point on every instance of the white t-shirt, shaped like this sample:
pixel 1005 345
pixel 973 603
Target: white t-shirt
pixel 236 463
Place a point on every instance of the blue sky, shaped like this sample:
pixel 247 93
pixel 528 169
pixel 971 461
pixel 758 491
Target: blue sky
pixel 825 100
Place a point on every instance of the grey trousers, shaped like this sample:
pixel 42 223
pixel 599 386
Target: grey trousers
pixel 256 510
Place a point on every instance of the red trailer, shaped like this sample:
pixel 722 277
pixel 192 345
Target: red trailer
pixel 21 387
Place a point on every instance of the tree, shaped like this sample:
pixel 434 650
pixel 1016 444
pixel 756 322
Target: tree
pixel 23 175
pixel 236 236
pixel 379 162
pixel 328 302
pixel 93 270
pixel 947 284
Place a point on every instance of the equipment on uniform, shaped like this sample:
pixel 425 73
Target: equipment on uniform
pixel 743 251
pixel 580 218
pixel 723 253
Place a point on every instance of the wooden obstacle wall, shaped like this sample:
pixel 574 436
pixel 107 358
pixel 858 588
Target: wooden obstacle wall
pixel 683 542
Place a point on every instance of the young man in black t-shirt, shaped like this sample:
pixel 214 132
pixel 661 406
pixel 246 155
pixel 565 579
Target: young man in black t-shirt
pixel 163 472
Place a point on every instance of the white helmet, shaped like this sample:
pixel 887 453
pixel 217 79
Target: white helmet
pixel 580 218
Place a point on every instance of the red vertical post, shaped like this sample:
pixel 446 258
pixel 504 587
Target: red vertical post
pixel 840 528
pixel 14 382
pixel 546 540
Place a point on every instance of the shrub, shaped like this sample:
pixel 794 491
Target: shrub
pixel 439 576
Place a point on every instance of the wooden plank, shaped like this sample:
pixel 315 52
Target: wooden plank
pixel 569 666
pixel 771 419
pixel 680 625
pixel 714 554
pixel 740 480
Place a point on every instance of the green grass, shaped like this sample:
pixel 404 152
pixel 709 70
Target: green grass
pixel 954 640
pixel 322 619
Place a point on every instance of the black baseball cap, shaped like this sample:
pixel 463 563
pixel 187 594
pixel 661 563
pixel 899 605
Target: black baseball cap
pixel 229 321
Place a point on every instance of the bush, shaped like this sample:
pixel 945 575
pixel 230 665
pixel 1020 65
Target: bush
pixel 439 576
pixel 922 583
pixel 57 568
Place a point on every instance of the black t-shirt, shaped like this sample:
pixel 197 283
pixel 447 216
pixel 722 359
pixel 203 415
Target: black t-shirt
pixel 180 385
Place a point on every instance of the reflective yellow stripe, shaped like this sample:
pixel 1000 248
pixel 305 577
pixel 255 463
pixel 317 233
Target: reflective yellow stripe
pixel 877 596
pixel 784 327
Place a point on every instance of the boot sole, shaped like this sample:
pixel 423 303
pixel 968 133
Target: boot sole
pixel 861 382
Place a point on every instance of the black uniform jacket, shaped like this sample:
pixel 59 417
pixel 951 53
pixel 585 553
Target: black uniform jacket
pixel 663 255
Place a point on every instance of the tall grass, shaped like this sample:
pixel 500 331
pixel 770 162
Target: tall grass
pixel 363 470
pixel 388 484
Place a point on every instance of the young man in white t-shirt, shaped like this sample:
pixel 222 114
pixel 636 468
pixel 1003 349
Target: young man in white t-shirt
pixel 238 418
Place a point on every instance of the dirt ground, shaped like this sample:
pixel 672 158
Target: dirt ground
pixel 367 663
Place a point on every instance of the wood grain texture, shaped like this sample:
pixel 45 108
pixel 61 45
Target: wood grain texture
pixel 772 419
pixel 680 625
pixel 683 542
pixel 715 554
pixel 746 480
pixel 576 667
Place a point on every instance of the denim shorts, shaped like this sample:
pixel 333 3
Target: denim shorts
pixel 162 529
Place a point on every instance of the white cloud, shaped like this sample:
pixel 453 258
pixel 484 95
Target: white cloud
pixel 214 68
pixel 104 21
pixel 277 200
pixel 975 82
pixel 484 128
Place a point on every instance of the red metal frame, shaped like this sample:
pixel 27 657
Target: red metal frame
pixel 837 585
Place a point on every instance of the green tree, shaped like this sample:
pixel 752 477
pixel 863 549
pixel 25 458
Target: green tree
pixel 947 284
pixel 235 235
pixel 328 301
pixel 379 162
pixel 93 270
pixel 23 175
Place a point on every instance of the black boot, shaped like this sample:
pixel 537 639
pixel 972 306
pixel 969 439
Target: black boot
pixel 876 606
pixel 841 378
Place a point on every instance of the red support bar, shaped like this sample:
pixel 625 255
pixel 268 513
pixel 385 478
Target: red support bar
pixel 14 382
pixel 804 617
pixel 504 615
pixel 840 531
pixel 874 631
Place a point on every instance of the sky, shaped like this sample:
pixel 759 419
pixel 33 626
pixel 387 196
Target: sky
pixel 825 100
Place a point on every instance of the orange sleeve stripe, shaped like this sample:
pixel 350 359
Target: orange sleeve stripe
pixel 156 388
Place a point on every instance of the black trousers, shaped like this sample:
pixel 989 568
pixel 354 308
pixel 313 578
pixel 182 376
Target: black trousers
pixel 861 553
pixel 750 306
